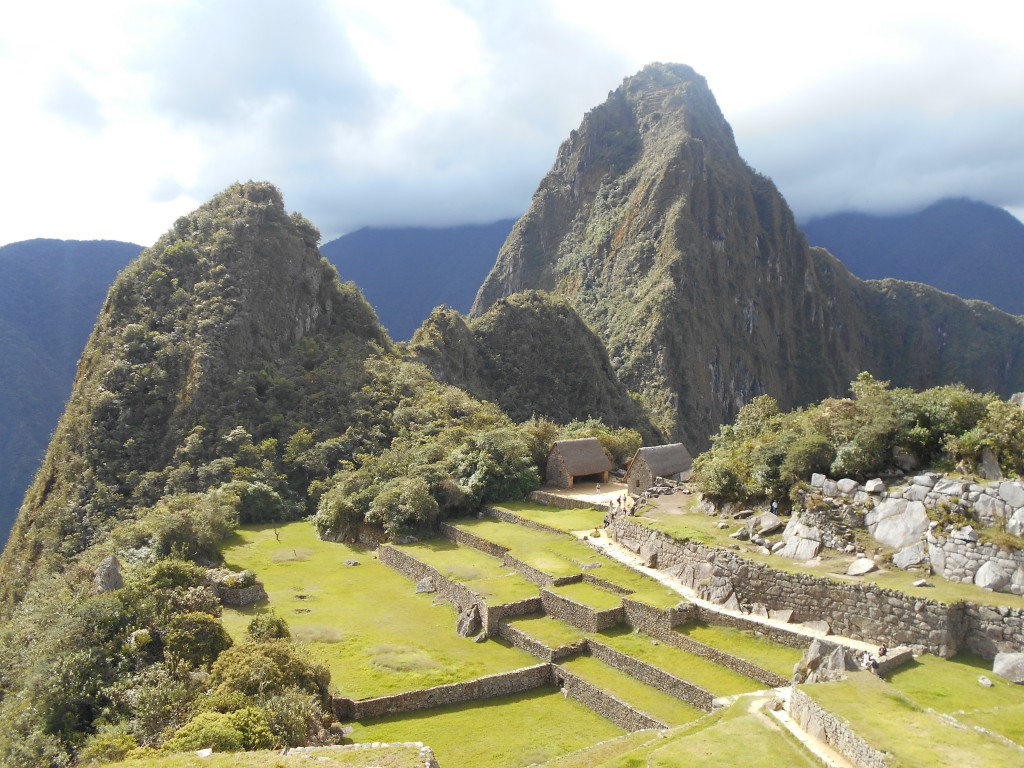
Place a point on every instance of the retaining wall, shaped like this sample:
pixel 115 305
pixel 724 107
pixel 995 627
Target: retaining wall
pixel 538 577
pixel 838 734
pixel 646 673
pixel 488 687
pixel 578 615
pixel 975 562
pixel 649 619
pixel 449 531
pixel 552 500
pixel 787 637
pixel 534 647
pixel 604 704
pixel 735 663
pixel 511 517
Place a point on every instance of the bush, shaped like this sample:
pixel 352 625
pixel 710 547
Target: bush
pixel 214 730
pixel 196 638
pixel 108 745
pixel 268 626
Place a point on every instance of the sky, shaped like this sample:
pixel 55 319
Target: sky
pixel 121 115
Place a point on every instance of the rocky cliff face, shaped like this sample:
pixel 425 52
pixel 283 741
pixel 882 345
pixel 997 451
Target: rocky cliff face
pixel 530 354
pixel 232 319
pixel 691 269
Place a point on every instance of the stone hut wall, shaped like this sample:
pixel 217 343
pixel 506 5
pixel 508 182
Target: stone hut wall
pixel 861 611
pixel 557 473
pixel 639 476
pixel 578 615
pixel 488 687
pixel 604 704
pixel 646 673
pixel 837 733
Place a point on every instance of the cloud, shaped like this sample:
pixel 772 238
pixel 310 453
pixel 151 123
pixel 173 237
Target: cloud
pixel 68 98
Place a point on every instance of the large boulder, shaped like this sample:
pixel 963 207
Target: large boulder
pixel 823 663
pixel 991 576
pixel 860 566
pixel 988 465
pixel 1015 524
pixel 1009 666
pixel 108 575
pixel 765 523
pixel 802 541
pixel 897 523
pixel 874 486
pixel 1012 492
pixel 469 623
pixel 910 556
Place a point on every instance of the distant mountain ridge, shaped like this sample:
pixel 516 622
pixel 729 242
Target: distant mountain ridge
pixel 50 294
pixel 965 247
pixel 691 269
pixel 406 272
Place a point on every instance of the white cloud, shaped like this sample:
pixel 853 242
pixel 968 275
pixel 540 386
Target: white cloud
pixel 126 114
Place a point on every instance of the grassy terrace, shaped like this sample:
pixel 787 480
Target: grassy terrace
pixel 739 735
pixel 719 680
pixel 558 556
pixel 568 520
pixel 548 630
pixel 766 654
pixel 951 687
pixel 643 697
pixel 892 722
pixel 365 622
pixel 589 595
pixel 479 572
pixel 697 526
pixel 507 732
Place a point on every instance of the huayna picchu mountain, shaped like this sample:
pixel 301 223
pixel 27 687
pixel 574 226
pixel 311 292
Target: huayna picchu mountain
pixel 691 269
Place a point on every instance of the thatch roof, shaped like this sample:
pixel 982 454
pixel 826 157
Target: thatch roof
pixel 583 457
pixel 666 460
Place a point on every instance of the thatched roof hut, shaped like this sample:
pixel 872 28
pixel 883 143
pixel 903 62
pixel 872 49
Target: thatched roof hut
pixel 671 461
pixel 572 460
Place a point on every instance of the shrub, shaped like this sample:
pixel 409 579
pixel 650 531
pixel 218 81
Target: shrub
pixel 268 626
pixel 206 730
pixel 196 638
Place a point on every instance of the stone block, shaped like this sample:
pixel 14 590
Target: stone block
pixel 910 556
pixel 847 487
pixel 1012 492
pixel 926 480
pixel 949 486
pixel 874 486
pixel 817 480
pixel 988 466
pixel 1015 524
pixel 1009 666
pixel 897 523
pixel 991 576
pixel 860 566
pixel 830 488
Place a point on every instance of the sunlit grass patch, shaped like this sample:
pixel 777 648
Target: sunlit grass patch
pixel 397 756
pixel 548 630
pixel 719 680
pixel 568 520
pixel 506 732
pixel 589 595
pixel 891 722
pixel 761 651
pixel 645 698
pixel 479 572
pixel 342 610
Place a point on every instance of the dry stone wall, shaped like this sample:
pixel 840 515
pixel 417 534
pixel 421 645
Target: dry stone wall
pixel 524 642
pixel 578 615
pixel 553 500
pixel 692 694
pixel 838 734
pixel 460 536
pixel 487 687
pixel 511 517
pixel 604 704
pixel 735 663
pixel 961 557
pixel 855 610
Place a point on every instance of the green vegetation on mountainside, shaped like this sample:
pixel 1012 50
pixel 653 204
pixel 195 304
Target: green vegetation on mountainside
pixel 767 453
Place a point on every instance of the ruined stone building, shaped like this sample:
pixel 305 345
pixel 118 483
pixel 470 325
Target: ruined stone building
pixel 574 460
pixel 672 462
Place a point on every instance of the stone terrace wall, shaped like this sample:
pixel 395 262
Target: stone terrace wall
pixel 646 673
pixel 458 595
pixel 488 687
pixel 552 500
pixel 780 635
pixel 988 630
pixel 973 562
pixel 511 517
pixel 449 531
pixel 604 704
pixel 821 723
pixel 735 663
pixel 534 647
pixel 860 611
pixel 608 586
pixel 578 615
pixel 539 578
pixel 649 619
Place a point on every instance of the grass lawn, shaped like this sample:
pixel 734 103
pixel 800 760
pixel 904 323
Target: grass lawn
pixel 479 572
pixel 365 622
pixel 547 630
pixel 568 520
pixel 719 680
pixel 398 756
pixel 889 721
pixel 588 594
pixel 951 687
pixel 506 732
pixel 641 696
pixel 644 589
pixel 743 643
